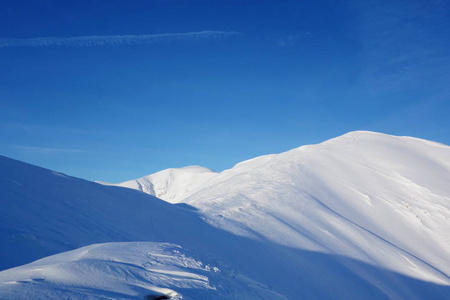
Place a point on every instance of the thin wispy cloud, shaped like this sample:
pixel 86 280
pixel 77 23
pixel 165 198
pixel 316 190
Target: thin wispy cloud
pixel 116 40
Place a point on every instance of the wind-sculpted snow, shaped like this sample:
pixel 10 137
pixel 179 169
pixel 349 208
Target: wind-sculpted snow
pixel 361 216
pixel 127 271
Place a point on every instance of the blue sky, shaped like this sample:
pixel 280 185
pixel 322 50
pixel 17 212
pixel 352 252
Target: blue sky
pixel 115 90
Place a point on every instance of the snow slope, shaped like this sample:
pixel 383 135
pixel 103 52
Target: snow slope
pixel 361 216
pixel 377 198
pixel 127 271
pixel 172 185
pixel 45 212
pixel 369 189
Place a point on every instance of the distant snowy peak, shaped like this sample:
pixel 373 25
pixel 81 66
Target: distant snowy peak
pixel 172 185
pixel 177 184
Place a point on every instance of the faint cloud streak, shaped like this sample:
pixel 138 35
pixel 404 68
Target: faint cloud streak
pixel 115 40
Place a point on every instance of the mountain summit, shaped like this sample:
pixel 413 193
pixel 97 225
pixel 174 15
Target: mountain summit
pixel 361 216
pixel 172 185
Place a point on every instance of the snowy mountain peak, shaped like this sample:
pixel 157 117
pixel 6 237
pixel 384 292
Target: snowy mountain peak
pixel 176 184
pixel 173 184
pixel 362 136
pixel 361 216
pixel 380 188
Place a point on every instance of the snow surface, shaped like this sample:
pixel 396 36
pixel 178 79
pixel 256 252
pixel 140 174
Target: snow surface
pixel 172 185
pixel 137 270
pixel 361 216
pixel 361 195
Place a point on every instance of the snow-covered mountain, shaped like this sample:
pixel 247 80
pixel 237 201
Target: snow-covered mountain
pixel 45 212
pixel 172 185
pixel 361 216
pixel 361 195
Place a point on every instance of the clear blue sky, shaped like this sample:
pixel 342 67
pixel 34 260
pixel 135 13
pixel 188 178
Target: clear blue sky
pixel 114 90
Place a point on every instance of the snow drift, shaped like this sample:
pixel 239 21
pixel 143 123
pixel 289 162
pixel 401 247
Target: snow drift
pixel 138 270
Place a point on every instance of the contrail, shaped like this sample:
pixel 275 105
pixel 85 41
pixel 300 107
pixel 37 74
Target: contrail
pixel 115 40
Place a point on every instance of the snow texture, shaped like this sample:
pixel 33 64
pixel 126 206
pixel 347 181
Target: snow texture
pixel 361 216
pixel 172 185
pixel 136 270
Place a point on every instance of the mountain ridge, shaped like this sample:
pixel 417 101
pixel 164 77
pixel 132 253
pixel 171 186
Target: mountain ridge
pixel 350 136
pixel 364 215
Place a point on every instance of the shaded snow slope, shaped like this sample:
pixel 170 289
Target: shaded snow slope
pixel 361 216
pixel 44 212
pixel 172 185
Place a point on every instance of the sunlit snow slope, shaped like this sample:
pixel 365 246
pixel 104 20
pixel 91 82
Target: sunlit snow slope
pixel 361 216
pixel 172 185
pixel 380 199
